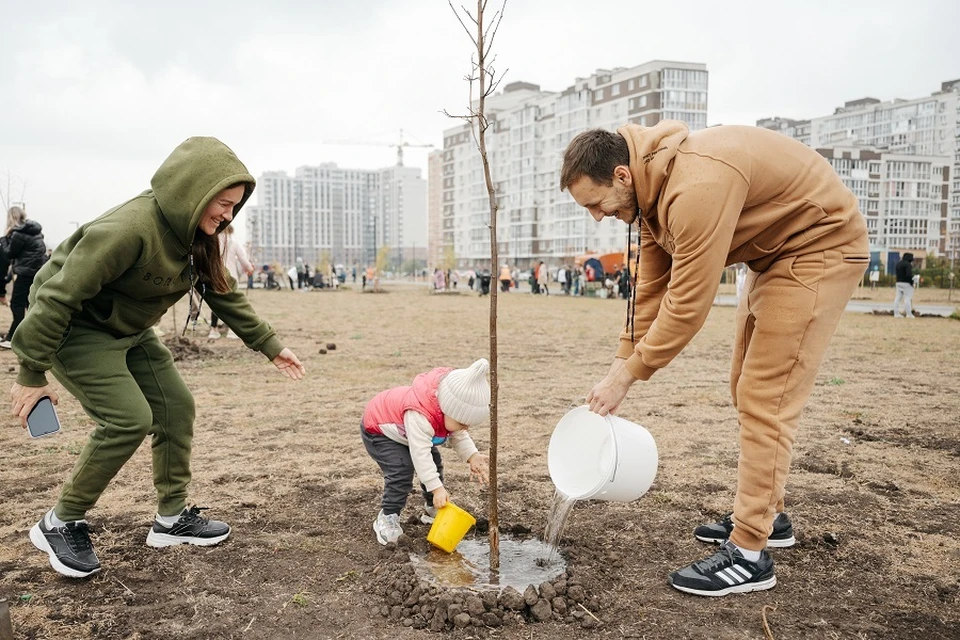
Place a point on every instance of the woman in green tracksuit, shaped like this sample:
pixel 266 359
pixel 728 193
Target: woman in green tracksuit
pixel 92 309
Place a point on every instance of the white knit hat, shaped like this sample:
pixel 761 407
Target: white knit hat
pixel 464 394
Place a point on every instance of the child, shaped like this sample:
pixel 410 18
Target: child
pixel 402 427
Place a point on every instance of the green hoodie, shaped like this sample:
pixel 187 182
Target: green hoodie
pixel 122 271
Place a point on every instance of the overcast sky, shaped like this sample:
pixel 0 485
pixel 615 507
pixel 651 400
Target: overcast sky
pixel 95 94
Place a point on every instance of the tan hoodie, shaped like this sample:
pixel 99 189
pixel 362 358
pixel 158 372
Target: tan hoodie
pixel 713 198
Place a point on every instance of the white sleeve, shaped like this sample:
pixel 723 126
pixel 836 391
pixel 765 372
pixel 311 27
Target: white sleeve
pixel 463 444
pixel 420 438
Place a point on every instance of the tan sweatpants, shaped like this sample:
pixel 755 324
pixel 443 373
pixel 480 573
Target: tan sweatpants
pixel 784 323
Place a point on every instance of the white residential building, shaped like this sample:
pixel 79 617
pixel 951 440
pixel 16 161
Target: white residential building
pixel 435 208
pixel 529 131
pixel 340 215
pixel 903 197
pixel 920 131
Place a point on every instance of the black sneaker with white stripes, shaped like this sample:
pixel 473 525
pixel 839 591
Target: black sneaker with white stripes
pixel 726 571
pixel 68 547
pixel 191 528
pixel 719 532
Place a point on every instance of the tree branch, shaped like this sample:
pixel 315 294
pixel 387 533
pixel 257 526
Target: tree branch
pixel 460 20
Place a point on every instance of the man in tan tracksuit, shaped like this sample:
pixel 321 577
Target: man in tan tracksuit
pixel 702 201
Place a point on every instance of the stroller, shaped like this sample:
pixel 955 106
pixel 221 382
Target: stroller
pixel 484 279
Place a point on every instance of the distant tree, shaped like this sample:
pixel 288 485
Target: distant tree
pixel 449 258
pixel 383 259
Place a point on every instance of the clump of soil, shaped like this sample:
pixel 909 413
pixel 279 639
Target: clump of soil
pixel 186 349
pixel 916 314
pixel 413 601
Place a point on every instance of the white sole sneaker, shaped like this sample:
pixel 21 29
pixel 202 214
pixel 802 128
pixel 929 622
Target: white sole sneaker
pixel 40 542
pixel 769 583
pixel 161 540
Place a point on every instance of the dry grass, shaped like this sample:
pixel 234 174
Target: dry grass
pixel 875 468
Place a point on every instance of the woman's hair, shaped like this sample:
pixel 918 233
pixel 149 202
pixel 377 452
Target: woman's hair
pixel 15 217
pixel 207 257
pixel 208 261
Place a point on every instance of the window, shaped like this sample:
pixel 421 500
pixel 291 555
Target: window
pixel 615 90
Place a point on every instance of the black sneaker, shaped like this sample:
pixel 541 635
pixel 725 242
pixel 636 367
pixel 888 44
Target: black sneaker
pixel 726 571
pixel 68 547
pixel 719 532
pixel 191 528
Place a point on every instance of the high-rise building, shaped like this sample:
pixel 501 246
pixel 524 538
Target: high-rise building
pixel 528 133
pixel 342 216
pixel 434 208
pixel 920 131
pixel 796 129
pixel 903 197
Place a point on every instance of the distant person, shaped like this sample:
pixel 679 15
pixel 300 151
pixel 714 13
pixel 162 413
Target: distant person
pixel 22 253
pixel 236 263
pixel 874 278
pixel 905 285
pixel 702 201
pixel 505 278
pixel 402 428
pixel 301 272
pixel 543 279
pixel 93 306
pixel 562 279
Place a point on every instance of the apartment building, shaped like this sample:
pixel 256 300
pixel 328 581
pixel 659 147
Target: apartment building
pixel 529 130
pixel 435 208
pixel 904 198
pixel 796 129
pixel 339 215
pixel 920 132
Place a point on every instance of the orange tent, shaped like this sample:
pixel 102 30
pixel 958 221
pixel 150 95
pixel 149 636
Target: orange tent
pixel 613 261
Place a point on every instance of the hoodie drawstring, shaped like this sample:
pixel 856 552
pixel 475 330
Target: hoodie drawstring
pixel 632 298
pixel 191 314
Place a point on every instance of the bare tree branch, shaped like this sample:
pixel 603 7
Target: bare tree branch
pixel 460 20
pixel 493 28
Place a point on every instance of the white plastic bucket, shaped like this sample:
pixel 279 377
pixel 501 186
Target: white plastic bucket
pixel 601 457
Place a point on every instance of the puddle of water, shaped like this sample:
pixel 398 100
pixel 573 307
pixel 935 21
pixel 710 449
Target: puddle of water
pixel 522 563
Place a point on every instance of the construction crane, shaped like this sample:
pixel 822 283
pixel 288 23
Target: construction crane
pixel 400 145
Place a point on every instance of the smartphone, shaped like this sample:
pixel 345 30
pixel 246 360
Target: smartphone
pixel 42 420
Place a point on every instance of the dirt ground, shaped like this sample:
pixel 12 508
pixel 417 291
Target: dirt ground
pixel 874 493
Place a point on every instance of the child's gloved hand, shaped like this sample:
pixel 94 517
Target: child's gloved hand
pixel 479 467
pixel 440 497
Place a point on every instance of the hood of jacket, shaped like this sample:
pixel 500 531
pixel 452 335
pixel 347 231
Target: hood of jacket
pixel 30 228
pixel 191 177
pixel 652 150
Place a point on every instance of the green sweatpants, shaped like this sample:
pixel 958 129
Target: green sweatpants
pixel 131 388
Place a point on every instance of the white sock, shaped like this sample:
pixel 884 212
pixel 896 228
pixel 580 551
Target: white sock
pixel 748 554
pixel 168 521
pixel 51 520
